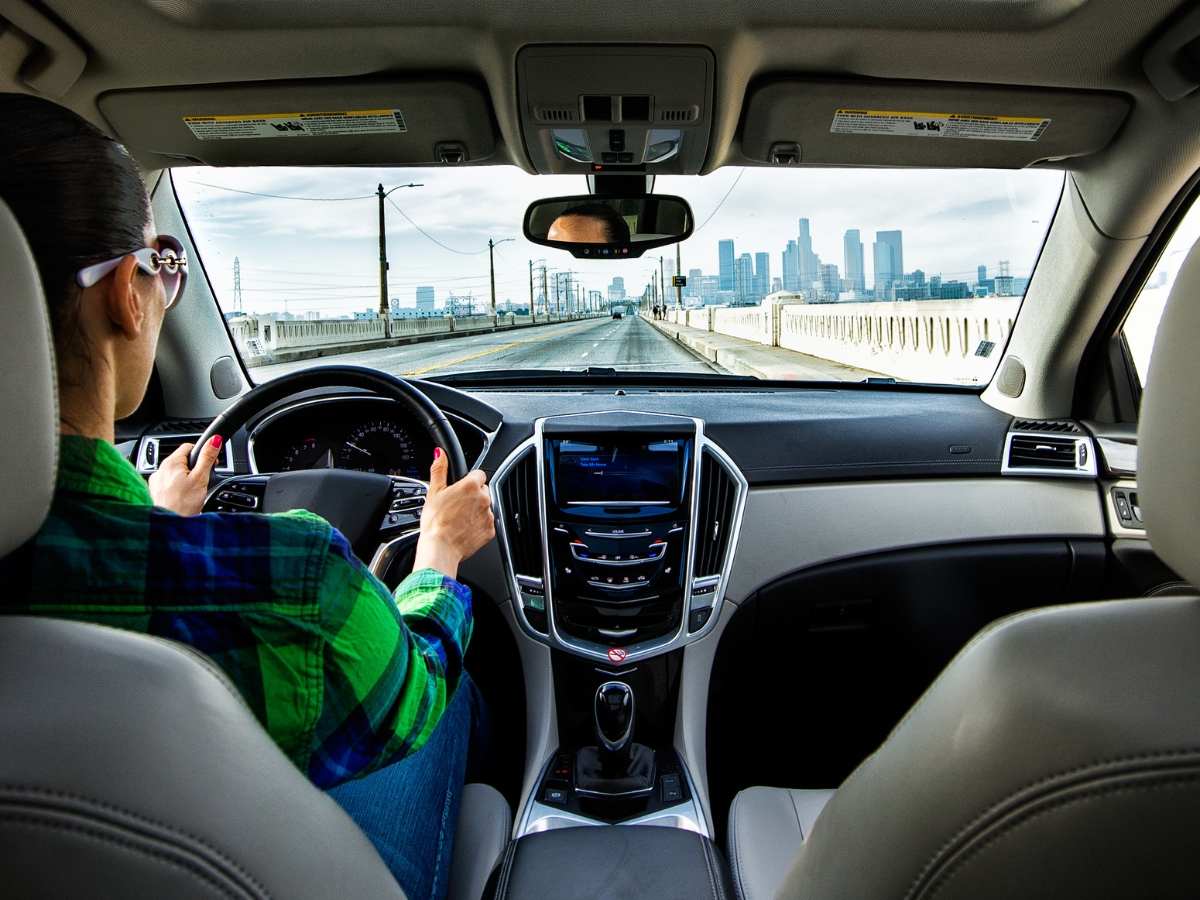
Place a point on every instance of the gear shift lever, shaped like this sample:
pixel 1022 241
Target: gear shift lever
pixel 614 715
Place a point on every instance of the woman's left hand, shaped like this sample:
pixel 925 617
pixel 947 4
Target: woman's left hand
pixel 173 487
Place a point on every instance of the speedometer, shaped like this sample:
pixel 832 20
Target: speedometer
pixel 380 446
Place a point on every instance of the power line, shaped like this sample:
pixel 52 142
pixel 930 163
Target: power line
pixel 221 187
pixel 431 237
pixel 723 199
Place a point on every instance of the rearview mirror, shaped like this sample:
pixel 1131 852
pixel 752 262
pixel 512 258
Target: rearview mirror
pixel 608 227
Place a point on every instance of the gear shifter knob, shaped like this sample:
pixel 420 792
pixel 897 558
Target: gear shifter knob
pixel 614 726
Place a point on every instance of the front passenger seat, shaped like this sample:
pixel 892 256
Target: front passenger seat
pixel 129 765
pixel 1058 755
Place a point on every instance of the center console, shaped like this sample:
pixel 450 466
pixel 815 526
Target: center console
pixel 618 530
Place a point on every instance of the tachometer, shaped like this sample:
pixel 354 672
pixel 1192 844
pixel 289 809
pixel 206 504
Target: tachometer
pixel 379 446
pixel 310 453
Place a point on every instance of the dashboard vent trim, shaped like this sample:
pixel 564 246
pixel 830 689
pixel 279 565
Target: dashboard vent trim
pixel 1060 451
pixel 717 501
pixel 522 518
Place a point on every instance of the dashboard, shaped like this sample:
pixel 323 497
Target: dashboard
pixel 365 434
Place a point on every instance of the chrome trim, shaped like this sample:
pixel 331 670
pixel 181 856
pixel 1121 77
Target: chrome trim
pixel 623 586
pixel 1090 470
pixel 616 632
pixel 704 582
pixel 653 647
pixel 144 442
pixel 617 562
pixel 386 552
pixel 616 537
pixel 538 816
pixel 488 436
pixel 527 581
pixel 620 502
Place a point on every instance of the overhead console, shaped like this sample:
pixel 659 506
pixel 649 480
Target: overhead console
pixel 810 121
pixel 631 109
pixel 619 530
pixel 309 123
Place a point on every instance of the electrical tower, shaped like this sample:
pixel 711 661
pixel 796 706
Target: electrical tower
pixel 237 285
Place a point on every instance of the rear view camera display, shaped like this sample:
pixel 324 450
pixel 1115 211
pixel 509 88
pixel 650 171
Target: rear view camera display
pixel 624 472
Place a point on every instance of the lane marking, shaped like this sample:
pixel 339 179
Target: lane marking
pixel 454 362
pixel 584 354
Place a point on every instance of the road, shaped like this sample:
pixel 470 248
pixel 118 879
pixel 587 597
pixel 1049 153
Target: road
pixel 627 344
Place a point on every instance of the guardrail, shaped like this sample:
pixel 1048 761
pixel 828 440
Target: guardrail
pixel 263 340
pixel 945 341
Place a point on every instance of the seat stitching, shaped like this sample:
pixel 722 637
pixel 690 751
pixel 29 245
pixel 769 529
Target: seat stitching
pixel 796 810
pixel 144 820
pixel 1020 820
pixel 739 866
pixel 162 856
pixel 706 850
pixel 1041 783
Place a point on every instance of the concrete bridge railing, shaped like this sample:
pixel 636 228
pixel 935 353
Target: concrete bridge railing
pixel 264 339
pixel 946 341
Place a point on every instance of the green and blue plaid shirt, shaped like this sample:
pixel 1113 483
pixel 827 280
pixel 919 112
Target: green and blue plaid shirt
pixel 344 677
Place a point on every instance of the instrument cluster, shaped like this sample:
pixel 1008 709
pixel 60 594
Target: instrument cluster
pixel 366 434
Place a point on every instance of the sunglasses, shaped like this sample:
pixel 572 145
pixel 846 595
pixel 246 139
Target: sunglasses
pixel 167 260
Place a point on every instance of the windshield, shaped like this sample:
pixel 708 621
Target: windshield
pixel 792 273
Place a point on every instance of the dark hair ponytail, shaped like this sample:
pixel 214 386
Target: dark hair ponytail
pixel 76 193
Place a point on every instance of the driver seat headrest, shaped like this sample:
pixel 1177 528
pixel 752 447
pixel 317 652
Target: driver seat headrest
pixel 28 392
pixel 1169 429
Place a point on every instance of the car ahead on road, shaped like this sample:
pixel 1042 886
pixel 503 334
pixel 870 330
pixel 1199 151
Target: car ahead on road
pixel 824 570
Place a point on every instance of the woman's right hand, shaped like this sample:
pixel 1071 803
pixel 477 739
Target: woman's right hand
pixel 456 520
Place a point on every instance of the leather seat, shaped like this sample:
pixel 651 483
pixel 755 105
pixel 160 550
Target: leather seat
pixel 129 765
pixel 1058 755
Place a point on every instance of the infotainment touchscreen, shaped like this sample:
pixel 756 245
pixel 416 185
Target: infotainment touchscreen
pixel 618 471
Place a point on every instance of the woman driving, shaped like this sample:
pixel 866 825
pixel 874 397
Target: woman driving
pixel 350 680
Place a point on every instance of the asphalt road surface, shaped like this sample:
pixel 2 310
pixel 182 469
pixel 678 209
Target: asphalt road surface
pixel 628 344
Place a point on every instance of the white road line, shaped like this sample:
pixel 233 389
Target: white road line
pixel 585 354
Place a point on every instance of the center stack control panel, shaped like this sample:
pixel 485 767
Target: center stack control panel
pixel 619 530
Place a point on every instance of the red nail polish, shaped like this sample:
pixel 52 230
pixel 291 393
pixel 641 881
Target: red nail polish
pixel 437 452
pixel 216 442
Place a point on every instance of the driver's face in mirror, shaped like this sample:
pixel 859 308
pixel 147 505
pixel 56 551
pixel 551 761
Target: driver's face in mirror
pixel 593 223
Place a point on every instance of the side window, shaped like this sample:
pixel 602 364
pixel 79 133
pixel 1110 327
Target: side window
pixel 1141 325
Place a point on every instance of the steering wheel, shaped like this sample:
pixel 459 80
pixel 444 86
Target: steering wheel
pixel 353 502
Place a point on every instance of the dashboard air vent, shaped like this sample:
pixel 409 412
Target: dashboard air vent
pixel 717 502
pixel 1060 427
pixel 522 523
pixel 1042 453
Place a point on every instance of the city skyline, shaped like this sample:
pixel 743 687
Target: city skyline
pixel 323 254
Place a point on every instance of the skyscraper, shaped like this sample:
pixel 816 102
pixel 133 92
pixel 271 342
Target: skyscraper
pixel 855 276
pixel 762 274
pixel 744 278
pixel 425 299
pixel 726 273
pixel 982 273
pixel 831 283
pixel 791 267
pixel 808 261
pixel 895 241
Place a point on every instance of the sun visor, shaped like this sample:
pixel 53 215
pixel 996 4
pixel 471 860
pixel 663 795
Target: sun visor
pixel 856 123
pixel 309 123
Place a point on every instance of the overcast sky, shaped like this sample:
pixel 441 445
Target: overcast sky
pixel 323 254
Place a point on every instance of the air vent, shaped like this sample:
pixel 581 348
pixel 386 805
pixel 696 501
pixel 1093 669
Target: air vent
pixel 677 115
pixel 717 504
pixel 555 115
pixel 522 522
pixel 181 426
pixel 1042 453
pixel 1060 427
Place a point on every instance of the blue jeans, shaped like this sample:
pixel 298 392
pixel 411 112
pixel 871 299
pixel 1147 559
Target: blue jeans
pixel 409 809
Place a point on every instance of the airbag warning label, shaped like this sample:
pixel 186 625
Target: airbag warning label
pixel 308 124
pixel 944 125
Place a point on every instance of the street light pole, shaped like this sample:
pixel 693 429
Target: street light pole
pixel 678 274
pixel 385 311
pixel 492 269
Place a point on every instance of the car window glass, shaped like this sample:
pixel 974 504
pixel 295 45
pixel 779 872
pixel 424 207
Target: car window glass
pixel 1141 325
pixel 844 274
